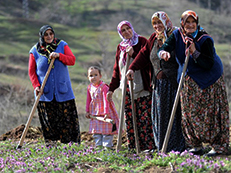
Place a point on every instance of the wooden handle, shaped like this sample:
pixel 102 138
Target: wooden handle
pixel 164 147
pixel 107 120
pixel 119 140
pixel 35 105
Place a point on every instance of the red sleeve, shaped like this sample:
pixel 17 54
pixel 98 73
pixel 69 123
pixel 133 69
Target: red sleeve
pixel 68 57
pixel 143 57
pixel 32 72
pixel 115 80
pixel 88 101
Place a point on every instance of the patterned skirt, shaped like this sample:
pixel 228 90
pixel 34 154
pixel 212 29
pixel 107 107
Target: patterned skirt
pixel 59 121
pixel 162 103
pixel 205 114
pixel 143 120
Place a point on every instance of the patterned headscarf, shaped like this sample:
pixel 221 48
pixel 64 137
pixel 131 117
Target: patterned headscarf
pixel 126 42
pixel 44 48
pixel 168 28
pixel 185 15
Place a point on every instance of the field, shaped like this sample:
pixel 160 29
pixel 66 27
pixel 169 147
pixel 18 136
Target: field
pixel 35 156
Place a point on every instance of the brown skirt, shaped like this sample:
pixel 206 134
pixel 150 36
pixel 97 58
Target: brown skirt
pixel 205 115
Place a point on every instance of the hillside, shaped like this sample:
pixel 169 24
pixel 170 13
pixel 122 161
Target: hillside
pixel 89 27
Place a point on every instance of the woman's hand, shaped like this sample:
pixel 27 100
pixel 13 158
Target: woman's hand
pixel 192 48
pixel 37 91
pixel 130 74
pixel 164 55
pixel 54 55
pixel 109 96
pixel 87 115
pixel 130 51
pixel 105 116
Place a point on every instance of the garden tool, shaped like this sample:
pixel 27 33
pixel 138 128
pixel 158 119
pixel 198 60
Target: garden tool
pixel 107 120
pixel 119 140
pixel 35 105
pixel 163 150
pixel 131 84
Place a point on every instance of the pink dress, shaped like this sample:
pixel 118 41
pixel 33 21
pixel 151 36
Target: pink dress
pixel 97 105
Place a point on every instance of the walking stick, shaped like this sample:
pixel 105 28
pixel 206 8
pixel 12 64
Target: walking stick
pixel 175 105
pixel 134 117
pixel 119 140
pixel 35 105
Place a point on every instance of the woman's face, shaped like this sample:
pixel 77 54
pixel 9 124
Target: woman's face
pixel 190 25
pixel 126 32
pixel 158 25
pixel 48 36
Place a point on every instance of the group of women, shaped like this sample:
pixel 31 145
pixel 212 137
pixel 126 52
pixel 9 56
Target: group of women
pixel 155 66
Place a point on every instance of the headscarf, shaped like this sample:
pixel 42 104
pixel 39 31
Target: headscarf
pixel 168 28
pixel 185 15
pixel 44 48
pixel 127 42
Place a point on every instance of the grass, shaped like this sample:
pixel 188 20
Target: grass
pixel 73 157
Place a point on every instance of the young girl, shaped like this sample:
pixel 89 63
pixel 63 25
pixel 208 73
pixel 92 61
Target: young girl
pixel 97 105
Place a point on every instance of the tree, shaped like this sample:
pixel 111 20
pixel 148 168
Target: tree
pixel 25 8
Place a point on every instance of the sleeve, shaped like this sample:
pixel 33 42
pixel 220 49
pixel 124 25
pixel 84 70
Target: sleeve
pixel 68 57
pixel 115 80
pixel 205 57
pixel 88 101
pixel 169 44
pixel 32 71
pixel 106 103
pixel 142 59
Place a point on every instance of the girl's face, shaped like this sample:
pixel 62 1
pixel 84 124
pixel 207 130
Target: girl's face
pixel 190 25
pixel 126 32
pixel 94 76
pixel 158 25
pixel 48 36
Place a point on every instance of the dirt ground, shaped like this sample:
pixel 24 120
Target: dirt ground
pixel 35 133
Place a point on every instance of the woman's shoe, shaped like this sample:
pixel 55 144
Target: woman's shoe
pixel 196 151
pixel 212 153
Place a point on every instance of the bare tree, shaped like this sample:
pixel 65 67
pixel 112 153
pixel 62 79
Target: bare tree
pixel 25 8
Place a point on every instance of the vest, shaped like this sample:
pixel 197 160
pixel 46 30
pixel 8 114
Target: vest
pixel 58 84
pixel 202 77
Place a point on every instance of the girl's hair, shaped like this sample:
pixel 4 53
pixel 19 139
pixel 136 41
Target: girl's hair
pixel 96 68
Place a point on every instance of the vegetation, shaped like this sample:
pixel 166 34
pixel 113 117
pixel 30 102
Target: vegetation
pixel 89 27
pixel 81 158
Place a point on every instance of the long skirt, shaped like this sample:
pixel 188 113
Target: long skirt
pixel 205 114
pixel 143 120
pixel 59 121
pixel 162 104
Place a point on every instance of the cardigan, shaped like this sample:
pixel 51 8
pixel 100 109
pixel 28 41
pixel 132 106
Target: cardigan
pixel 205 69
pixel 145 71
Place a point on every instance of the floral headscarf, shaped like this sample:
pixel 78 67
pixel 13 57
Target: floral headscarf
pixel 163 17
pixel 126 42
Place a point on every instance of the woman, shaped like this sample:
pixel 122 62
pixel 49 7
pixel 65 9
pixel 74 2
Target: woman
pixel 203 96
pixel 131 44
pixel 164 84
pixel 56 108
